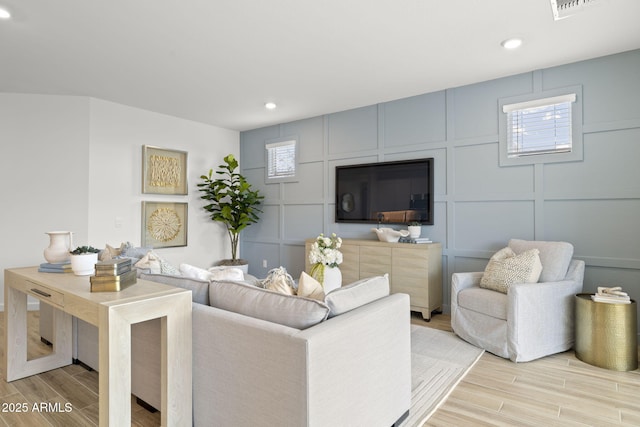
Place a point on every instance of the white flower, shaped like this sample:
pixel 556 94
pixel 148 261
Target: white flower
pixel 325 251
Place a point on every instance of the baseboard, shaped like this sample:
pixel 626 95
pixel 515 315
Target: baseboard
pixel 79 362
pixel 145 405
pixel 401 419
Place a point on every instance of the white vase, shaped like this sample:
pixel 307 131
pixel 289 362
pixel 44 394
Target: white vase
pixel 59 246
pixel 84 264
pixel 332 279
pixel 414 231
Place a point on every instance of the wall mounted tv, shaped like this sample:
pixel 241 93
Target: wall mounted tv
pixel 386 193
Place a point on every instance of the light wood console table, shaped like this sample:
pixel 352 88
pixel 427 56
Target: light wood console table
pixel 113 313
pixel 414 269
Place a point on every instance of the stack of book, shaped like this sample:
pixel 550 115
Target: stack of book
pixel 611 295
pixel 47 267
pixel 416 240
pixel 112 275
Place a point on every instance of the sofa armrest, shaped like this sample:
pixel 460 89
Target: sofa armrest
pixel 356 366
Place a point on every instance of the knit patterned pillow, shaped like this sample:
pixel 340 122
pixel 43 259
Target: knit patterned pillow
pixel 505 268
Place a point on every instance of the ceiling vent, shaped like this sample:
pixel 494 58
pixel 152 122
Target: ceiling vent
pixel 565 8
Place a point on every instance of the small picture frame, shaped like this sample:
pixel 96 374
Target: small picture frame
pixel 164 225
pixel 164 171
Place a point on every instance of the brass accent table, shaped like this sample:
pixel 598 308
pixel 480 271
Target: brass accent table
pixel 113 313
pixel 607 334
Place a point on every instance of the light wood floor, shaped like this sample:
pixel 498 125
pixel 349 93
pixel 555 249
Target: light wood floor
pixel 557 390
pixel 72 385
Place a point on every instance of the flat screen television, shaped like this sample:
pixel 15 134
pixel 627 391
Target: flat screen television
pixel 387 193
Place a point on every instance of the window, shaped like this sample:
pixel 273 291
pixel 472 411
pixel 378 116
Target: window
pixel 539 127
pixel 543 129
pixel 281 160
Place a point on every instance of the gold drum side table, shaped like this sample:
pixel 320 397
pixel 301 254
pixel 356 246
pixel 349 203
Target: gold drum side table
pixel 606 334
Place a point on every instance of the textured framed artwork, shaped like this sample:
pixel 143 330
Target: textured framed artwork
pixel 164 171
pixel 164 225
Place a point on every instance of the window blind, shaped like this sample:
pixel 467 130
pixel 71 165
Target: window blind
pixel 281 159
pixel 539 127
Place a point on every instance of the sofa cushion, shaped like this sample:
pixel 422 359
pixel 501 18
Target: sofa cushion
pixel 199 288
pixel 357 294
pixel 554 256
pixel 293 311
pixel 505 268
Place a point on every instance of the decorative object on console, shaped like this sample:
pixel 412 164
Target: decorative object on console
pixel 164 225
pixel 109 252
pixel 324 257
pixel 164 171
pixel 232 202
pixel 386 234
pixel 414 229
pixel 47 267
pixel 60 243
pixel 83 260
pixel 113 276
pixel 613 295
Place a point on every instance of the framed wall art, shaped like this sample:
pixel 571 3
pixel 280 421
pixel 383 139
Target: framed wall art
pixel 164 171
pixel 164 225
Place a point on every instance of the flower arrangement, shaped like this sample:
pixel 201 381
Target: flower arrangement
pixel 324 252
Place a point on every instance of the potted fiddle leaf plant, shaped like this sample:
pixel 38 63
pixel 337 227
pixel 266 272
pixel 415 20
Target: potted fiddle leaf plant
pixel 83 260
pixel 232 202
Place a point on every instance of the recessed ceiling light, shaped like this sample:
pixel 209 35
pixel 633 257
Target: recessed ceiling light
pixel 4 14
pixel 270 105
pixel 512 43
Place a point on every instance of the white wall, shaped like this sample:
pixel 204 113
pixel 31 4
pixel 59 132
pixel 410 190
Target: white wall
pixel 74 163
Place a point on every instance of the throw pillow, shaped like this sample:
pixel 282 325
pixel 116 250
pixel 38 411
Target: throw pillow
pixel 505 268
pixel 357 294
pixel 310 287
pixel 554 256
pixel 226 273
pixel 194 272
pixel 156 265
pixel 279 280
pixel 295 312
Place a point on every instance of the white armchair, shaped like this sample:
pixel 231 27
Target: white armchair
pixel 531 320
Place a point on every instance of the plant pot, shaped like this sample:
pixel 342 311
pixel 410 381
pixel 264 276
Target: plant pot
pixel 84 264
pixel 414 231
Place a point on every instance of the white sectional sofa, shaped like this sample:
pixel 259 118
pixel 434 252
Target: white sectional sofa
pixel 262 359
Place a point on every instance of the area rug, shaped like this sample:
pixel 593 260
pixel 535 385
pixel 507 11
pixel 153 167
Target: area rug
pixel 439 361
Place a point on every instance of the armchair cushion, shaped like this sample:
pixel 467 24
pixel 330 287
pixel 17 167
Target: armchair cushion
pixel 554 256
pixel 505 268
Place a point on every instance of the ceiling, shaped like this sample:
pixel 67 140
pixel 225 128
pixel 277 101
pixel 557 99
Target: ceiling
pixel 219 61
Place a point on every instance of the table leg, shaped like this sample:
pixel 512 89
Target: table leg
pixel 15 331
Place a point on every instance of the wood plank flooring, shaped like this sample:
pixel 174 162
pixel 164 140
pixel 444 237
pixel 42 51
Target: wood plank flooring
pixel 62 397
pixel 558 390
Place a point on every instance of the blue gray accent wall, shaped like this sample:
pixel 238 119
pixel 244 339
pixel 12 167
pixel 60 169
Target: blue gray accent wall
pixel 479 206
